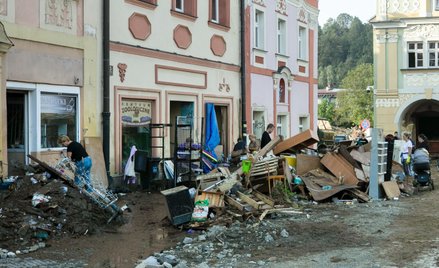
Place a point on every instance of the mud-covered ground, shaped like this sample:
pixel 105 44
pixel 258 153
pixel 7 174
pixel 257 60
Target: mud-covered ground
pixel 392 233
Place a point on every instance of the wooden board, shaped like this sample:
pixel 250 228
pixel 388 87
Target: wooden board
pixel 297 142
pixel 340 167
pixel 391 189
pixel 93 146
pixel 216 199
pixel 307 163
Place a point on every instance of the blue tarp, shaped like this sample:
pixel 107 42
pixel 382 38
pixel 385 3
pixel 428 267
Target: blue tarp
pixel 212 133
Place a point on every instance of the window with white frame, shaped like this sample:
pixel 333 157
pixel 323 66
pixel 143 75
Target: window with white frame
pixel 259 29
pixel 303 44
pixel 281 125
pixel 303 123
pixel 179 5
pixel 281 36
pixel 214 12
pixel 415 54
pixel 433 54
pixel 58 117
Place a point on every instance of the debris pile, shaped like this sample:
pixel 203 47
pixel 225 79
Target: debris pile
pixel 274 179
pixel 41 207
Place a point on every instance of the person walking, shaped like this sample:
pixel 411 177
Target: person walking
pixel 406 153
pixel 77 153
pixel 266 135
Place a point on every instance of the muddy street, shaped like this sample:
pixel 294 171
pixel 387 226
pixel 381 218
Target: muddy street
pixel 397 233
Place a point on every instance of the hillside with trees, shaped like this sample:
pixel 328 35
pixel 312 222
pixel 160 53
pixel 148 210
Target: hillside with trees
pixel 346 61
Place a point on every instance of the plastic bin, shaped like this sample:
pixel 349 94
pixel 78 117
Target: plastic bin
pixel 141 161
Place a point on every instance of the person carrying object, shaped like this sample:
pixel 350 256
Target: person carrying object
pixel 406 153
pixel 77 153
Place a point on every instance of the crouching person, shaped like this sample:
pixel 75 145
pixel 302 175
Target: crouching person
pixel 77 153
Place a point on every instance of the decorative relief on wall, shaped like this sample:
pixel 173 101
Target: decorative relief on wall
pixel 429 31
pixel 387 103
pixel 122 70
pixel 400 6
pixel 59 13
pixel 386 37
pixel 421 80
pixel 259 2
pixel 224 86
pixel 3 7
pixel 302 16
pixel 281 7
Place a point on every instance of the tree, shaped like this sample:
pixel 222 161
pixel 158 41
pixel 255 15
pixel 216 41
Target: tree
pixel 326 110
pixel 356 103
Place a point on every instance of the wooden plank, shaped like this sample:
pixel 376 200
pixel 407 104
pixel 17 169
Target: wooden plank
pixel 287 172
pixel 340 168
pixel 344 152
pixel 234 203
pixel 52 170
pixel 362 157
pixel 297 142
pixel 391 189
pixel 248 200
pixel 267 200
pixel 305 163
pixel 93 145
pixel 216 199
pixel 209 176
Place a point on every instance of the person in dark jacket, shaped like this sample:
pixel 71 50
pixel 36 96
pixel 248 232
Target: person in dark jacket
pixel 77 153
pixel 266 135
pixel 423 142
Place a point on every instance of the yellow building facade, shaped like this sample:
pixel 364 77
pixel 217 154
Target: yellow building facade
pixel 50 82
pixel 406 65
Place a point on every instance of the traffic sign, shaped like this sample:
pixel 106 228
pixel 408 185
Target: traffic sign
pixel 365 124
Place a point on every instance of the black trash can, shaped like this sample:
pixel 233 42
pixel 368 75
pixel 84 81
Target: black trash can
pixel 153 168
pixel 141 161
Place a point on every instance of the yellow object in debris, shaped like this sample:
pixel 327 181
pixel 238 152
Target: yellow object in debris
pixel 291 160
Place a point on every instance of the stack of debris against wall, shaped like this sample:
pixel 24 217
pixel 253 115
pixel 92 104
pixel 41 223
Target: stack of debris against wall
pixel 340 174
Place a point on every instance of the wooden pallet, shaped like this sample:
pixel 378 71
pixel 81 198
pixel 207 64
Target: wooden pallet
pixel 254 201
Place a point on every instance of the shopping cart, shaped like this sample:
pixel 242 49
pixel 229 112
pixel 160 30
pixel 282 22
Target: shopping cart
pixel 104 198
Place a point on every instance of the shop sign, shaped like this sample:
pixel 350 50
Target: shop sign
pixel 58 104
pixel 136 112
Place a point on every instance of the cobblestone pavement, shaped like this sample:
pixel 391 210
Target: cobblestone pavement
pixel 34 263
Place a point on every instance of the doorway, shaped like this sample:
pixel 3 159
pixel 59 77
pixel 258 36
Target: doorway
pixel 16 132
pixel 222 119
pixel 178 110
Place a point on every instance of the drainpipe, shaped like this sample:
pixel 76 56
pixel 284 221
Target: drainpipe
pixel 243 73
pixel 106 84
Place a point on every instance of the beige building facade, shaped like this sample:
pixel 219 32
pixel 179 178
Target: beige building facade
pixel 406 64
pixel 49 77
pixel 168 60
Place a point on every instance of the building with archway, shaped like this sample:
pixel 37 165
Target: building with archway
pixel 406 64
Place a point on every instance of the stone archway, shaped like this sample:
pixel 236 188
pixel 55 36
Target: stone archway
pixel 421 116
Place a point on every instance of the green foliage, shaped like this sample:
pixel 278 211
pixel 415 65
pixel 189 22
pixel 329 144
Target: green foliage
pixel 326 110
pixel 355 103
pixel 343 44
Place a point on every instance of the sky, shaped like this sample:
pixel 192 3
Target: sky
pixel 363 9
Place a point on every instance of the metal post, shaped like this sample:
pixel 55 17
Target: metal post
pixel 373 182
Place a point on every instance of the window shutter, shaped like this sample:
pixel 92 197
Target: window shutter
pixel 224 12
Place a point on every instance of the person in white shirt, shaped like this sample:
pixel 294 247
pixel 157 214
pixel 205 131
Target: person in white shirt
pixel 406 153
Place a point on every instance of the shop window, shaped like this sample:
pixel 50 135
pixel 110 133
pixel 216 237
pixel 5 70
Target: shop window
pixel 220 12
pixel 58 117
pixel 187 7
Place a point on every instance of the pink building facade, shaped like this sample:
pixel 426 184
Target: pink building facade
pixel 281 59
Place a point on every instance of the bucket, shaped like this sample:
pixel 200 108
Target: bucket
pixel 246 166
pixel 291 160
